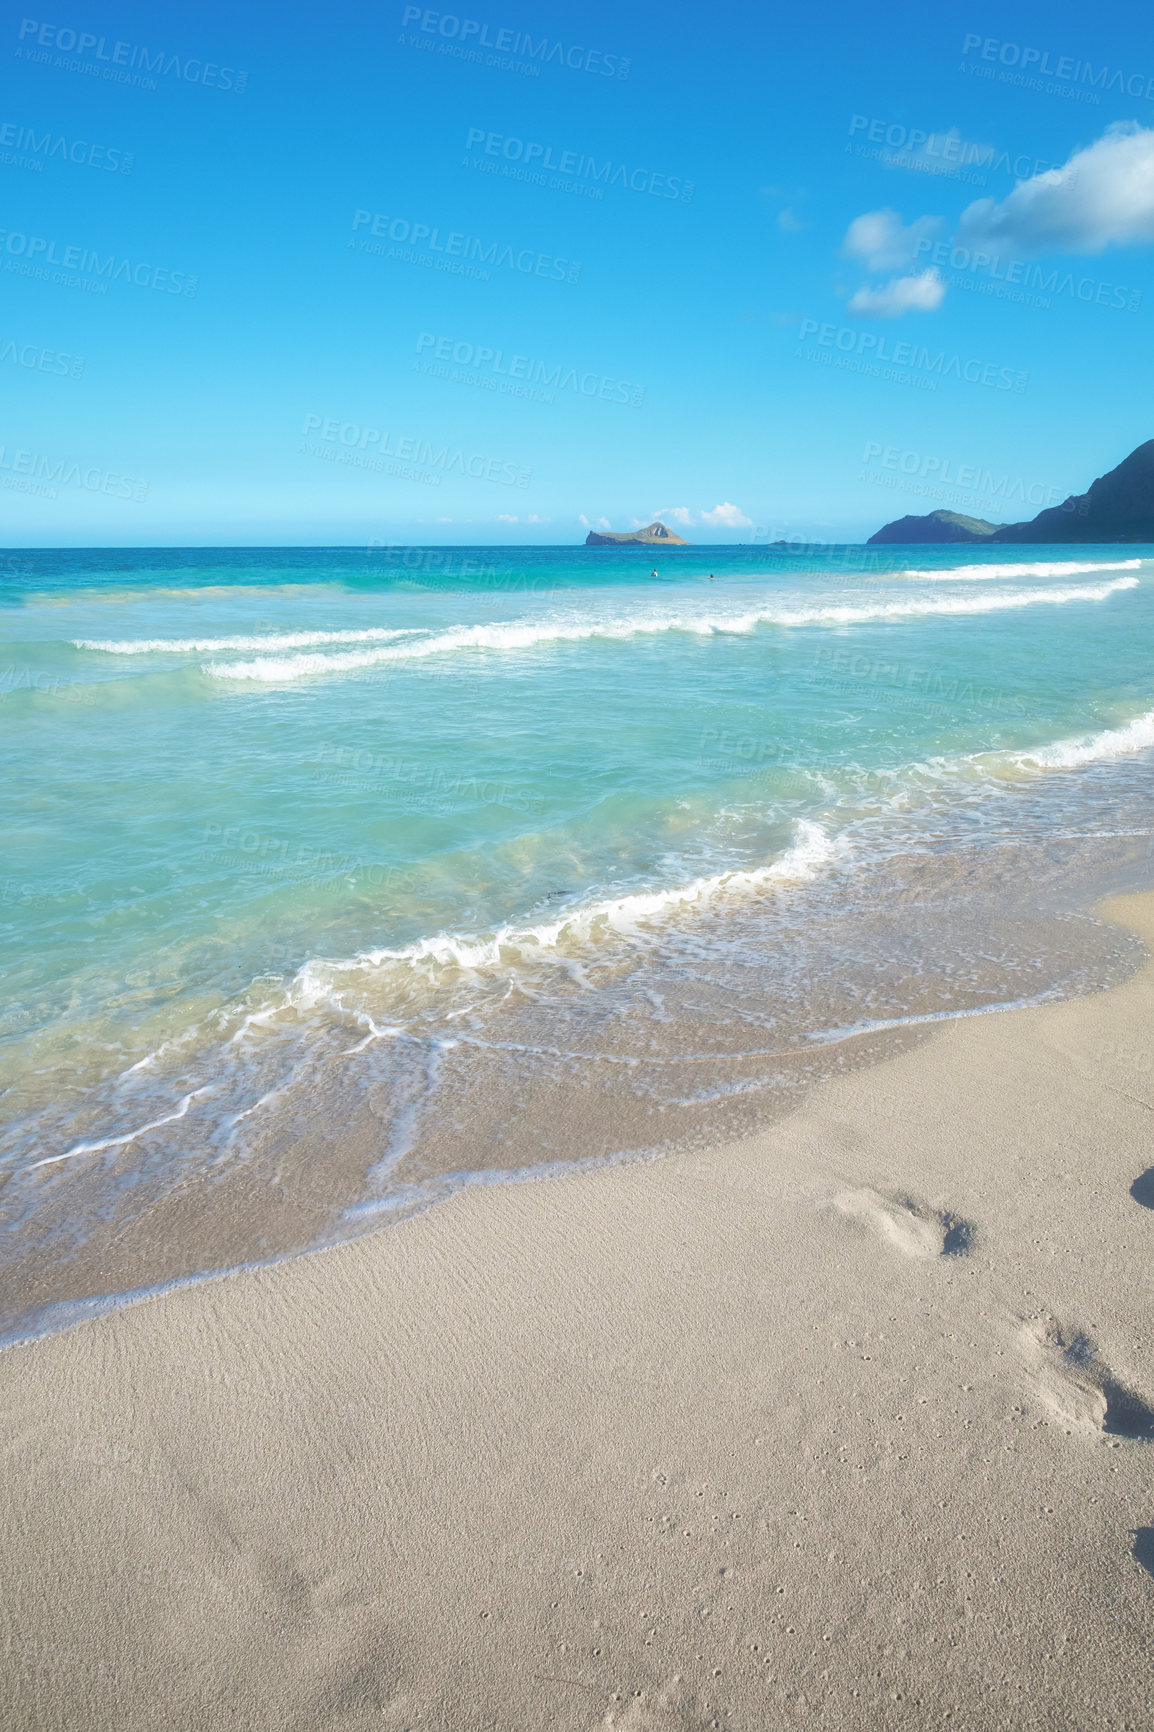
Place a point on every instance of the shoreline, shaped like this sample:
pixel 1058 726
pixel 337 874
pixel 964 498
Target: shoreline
pixel 847 1420
pixel 819 983
pixel 593 929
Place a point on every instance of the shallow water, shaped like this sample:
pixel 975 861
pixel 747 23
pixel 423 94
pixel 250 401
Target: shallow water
pixel 336 878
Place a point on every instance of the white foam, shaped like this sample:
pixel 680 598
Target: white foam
pixel 121 1141
pixel 527 634
pixel 1052 568
pixel 210 645
pixel 812 850
pixel 1136 736
pixel 833 1036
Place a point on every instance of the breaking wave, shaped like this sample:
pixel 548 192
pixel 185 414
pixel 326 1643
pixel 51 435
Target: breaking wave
pixel 1053 568
pixel 811 851
pixel 1136 736
pixel 209 645
pixel 527 634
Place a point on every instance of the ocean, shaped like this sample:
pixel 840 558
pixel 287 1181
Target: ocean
pixel 337 879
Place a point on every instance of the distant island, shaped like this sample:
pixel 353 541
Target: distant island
pixel 1118 507
pixel 937 526
pixel 655 534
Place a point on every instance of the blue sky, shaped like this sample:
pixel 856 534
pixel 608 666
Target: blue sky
pixel 337 305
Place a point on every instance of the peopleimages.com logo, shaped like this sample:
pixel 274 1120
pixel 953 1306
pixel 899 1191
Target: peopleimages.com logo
pixel 33 472
pixel 35 252
pixel 524 375
pixel 38 359
pixel 872 348
pixel 1033 279
pixel 466 249
pixel 367 446
pixel 943 152
pixel 50 145
pixel 577 164
pixel 125 59
pixel 946 471
pixel 1036 63
pixel 470 32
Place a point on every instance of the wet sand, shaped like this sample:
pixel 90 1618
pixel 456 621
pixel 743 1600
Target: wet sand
pixel 849 1423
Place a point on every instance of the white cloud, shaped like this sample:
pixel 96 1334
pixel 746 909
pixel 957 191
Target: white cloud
pixel 533 518
pixel 788 223
pixel 721 517
pixel 899 296
pixel 1103 196
pixel 879 240
pixel 727 517
pixel 597 523
pixel 503 517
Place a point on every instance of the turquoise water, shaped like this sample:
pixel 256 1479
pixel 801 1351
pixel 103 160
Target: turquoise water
pixel 263 807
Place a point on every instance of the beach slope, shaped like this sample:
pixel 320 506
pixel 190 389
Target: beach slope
pixel 847 1425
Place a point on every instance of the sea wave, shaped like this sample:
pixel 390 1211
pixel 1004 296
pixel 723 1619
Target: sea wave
pixel 1135 736
pixel 263 641
pixel 527 634
pixel 810 852
pixel 1051 568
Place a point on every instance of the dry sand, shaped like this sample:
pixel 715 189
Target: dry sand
pixel 841 1426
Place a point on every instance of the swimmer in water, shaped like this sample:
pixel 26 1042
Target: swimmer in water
pixel 653 573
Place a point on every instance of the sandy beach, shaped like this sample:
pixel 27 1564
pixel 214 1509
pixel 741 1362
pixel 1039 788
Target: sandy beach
pixel 849 1424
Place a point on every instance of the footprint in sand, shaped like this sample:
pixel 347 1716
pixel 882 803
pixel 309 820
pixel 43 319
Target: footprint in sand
pixel 670 1709
pixel 908 1226
pixel 1144 1548
pixel 1142 1190
pixel 1078 1389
